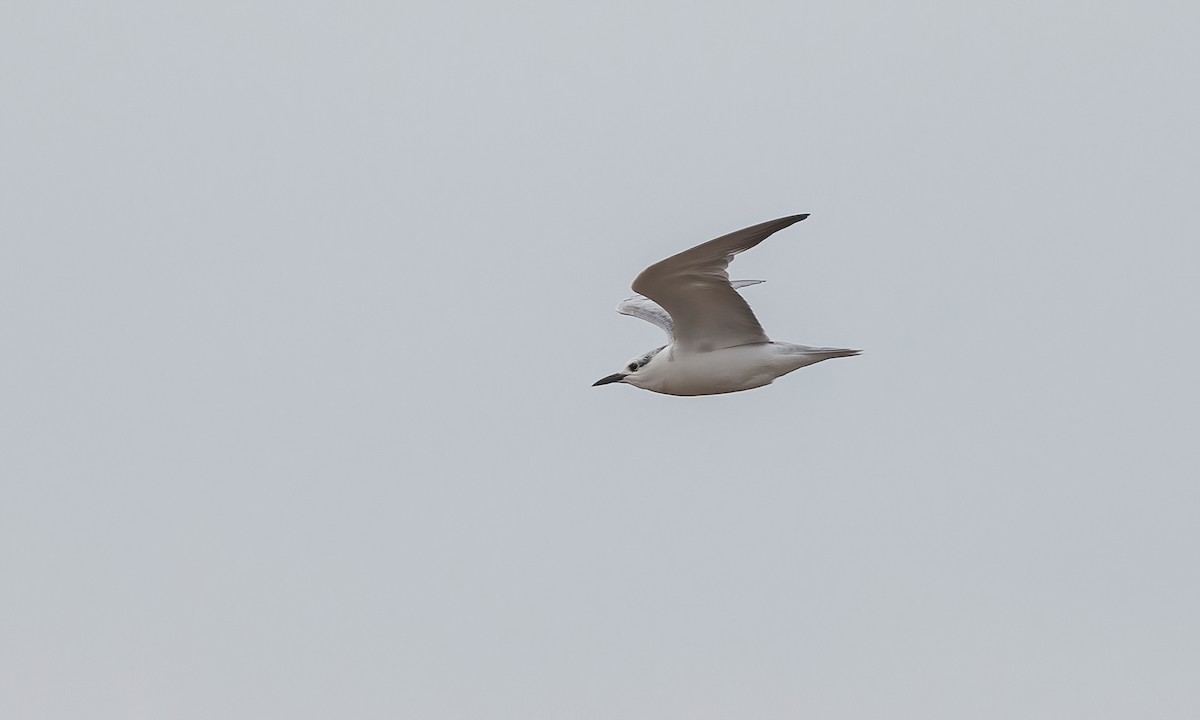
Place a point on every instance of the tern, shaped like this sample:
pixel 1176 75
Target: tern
pixel 714 344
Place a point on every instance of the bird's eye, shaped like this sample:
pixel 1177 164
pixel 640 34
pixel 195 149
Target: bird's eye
pixel 632 367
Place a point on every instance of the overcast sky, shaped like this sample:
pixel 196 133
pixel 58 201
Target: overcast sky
pixel 301 304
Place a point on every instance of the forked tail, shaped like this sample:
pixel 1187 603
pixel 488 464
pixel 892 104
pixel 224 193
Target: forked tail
pixel 817 354
pixel 829 353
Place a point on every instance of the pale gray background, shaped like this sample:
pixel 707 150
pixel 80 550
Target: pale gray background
pixel 301 303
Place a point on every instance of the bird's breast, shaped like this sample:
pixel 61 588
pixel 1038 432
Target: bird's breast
pixel 719 371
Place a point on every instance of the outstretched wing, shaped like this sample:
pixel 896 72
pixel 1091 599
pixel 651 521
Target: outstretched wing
pixel 642 307
pixel 646 309
pixel 693 288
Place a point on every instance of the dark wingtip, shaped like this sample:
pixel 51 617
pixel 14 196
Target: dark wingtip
pixel 789 220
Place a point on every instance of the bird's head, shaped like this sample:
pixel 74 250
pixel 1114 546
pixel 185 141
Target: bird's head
pixel 634 372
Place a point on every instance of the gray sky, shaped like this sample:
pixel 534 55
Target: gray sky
pixel 302 303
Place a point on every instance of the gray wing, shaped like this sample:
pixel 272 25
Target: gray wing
pixel 693 288
pixel 642 307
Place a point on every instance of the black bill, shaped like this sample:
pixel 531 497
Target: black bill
pixel 615 377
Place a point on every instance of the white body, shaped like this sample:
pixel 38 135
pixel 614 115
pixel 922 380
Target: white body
pixel 714 344
pixel 726 370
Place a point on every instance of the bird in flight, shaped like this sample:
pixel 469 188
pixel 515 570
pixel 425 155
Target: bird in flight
pixel 714 343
